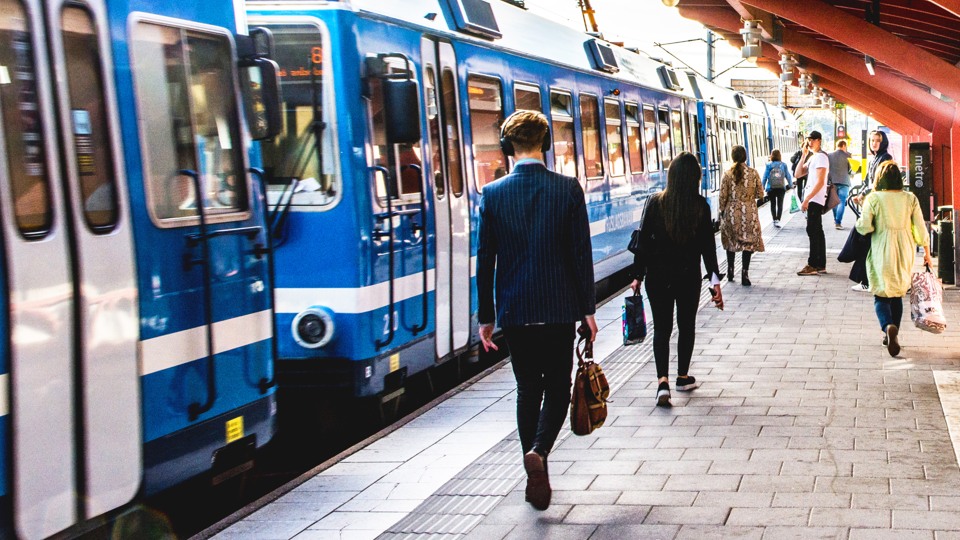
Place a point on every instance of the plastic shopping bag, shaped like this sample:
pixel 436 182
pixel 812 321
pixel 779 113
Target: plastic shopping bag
pixel 926 302
pixel 794 203
pixel 634 320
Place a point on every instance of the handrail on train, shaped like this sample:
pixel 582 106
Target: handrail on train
pixel 265 384
pixel 417 328
pixel 380 343
pixel 196 409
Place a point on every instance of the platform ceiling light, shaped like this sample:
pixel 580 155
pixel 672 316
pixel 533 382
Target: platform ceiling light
pixel 751 40
pixel 804 82
pixel 787 63
pixel 670 3
pixel 869 61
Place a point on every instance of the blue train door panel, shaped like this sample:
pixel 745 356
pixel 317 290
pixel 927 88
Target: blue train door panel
pixel 73 435
pixel 203 236
pixel 445 161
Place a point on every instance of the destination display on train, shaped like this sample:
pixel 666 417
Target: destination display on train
pixel 298 61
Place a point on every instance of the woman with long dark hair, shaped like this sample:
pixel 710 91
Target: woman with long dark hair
pixel 739 217
pixel 675 235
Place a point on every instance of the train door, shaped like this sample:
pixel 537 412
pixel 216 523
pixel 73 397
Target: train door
pixel 452 216
pixel 74 435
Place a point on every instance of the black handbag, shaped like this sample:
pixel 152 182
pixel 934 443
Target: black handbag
pixel 856 246
pixel 634 245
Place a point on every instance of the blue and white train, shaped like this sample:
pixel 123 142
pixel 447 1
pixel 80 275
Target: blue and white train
pixel 137 311
pixel 391 120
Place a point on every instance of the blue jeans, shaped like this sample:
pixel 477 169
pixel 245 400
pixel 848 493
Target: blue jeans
pixel 842 192
pixel 889 311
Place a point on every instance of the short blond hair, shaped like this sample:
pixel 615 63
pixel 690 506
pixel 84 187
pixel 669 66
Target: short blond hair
pixel 526 130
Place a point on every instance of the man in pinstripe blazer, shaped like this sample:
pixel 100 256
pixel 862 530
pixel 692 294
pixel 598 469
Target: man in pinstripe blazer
pixel 534 238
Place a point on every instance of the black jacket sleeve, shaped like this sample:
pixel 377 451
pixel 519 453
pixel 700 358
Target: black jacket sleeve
pixel 643 255
pixel 706 241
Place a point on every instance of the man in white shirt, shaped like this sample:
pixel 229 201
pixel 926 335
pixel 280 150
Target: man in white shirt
pixel 817 169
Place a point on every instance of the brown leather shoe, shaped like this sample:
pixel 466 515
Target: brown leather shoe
pixel 538 483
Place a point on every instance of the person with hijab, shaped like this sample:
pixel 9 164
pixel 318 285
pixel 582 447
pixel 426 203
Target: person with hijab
pixel 739 216
pixel 878 154
pixel 894 219
pixel 675 234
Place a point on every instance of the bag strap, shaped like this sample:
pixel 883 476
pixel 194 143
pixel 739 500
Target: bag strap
pixel 584 349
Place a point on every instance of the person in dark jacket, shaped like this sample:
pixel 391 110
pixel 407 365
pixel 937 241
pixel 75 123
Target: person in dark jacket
pixel 675 234
pixel 534 243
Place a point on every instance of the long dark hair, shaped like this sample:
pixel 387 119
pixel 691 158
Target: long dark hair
pixel 678 202
pixel 739 155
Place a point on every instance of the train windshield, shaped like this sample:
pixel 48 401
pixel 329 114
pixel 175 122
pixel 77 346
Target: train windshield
pixel 187 96
pixel 302 149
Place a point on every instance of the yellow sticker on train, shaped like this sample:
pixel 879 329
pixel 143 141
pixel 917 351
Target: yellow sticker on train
pixel 234 429
pixel 394 362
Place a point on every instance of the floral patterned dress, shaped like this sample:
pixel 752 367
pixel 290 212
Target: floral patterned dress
pixel 740 220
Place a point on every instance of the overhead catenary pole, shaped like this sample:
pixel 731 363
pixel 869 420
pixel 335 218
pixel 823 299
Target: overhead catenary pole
pixel 589 21
pixel 709 56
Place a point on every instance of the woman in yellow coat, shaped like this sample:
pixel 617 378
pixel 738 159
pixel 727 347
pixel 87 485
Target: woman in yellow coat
pixel 739 217
pixel 893 216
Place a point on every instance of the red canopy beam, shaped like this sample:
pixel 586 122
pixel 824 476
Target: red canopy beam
pixel 867 38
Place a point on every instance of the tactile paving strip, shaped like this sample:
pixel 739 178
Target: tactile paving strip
pixel 461 504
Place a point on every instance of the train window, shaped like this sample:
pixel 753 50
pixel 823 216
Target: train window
pixel 611 111
pixel 303 146
pixel 433 120
pixel 451 125
pixel 650 137
pixel 189 121
pixel 564 148
pixel 676 121
pixel 486 116
pixel 634 141
pixel 666 151
pixel 22 127
pixel 527 98
pixel 403 161
pixel 590 133
pixel 91 138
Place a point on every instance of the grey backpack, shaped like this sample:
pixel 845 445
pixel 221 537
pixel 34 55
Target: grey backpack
pixel 776 178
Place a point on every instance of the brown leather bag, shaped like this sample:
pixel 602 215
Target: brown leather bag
pixel 588 404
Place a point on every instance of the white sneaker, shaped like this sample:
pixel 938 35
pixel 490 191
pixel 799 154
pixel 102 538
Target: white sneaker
pixel 860 287
pixel 776 224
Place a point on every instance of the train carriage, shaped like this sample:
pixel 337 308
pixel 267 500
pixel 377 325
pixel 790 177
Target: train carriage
pixel 125 208
pixel 391 130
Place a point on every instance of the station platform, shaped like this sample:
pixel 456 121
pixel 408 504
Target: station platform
pixel 804 427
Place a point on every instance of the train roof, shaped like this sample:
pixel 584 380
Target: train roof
pixel 520 32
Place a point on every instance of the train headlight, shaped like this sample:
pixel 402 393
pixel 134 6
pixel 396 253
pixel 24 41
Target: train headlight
pixel 313 327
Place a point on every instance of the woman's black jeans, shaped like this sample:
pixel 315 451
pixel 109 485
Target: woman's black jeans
pixel 663 295
pixel 776 202
pixel 542 359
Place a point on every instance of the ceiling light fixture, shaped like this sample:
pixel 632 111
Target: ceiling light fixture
pixel 751 40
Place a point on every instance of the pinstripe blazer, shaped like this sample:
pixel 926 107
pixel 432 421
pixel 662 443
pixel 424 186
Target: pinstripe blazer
pixel 534 237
